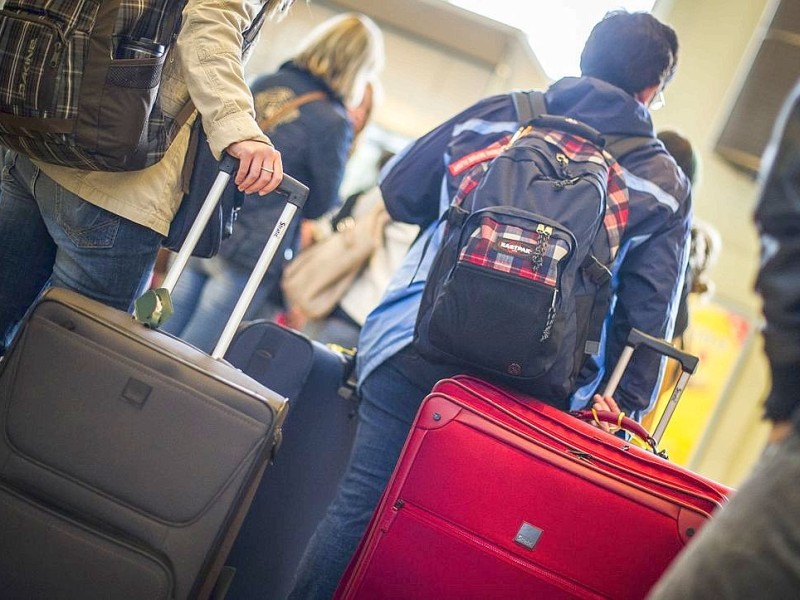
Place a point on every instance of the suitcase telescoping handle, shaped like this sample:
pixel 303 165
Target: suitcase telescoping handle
pixel 155 307
pixel 688 364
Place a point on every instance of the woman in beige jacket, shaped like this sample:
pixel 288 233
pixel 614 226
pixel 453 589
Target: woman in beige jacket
pixel 98 233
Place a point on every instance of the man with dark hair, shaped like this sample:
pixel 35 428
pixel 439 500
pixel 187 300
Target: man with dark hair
pixel 751 548
pixel 418 188
pixel 633 52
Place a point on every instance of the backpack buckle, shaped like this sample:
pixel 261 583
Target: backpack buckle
pixel 597 272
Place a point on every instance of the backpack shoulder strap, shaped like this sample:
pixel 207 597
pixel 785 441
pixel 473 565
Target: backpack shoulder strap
pixel 622 145
pixel 529 105
pixel 251 33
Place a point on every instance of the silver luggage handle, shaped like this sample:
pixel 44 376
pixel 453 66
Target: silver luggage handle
pixel 687 361
pixel 155 306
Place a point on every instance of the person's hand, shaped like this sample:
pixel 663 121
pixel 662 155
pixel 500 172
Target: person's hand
pixel 260 167
pixel 606 403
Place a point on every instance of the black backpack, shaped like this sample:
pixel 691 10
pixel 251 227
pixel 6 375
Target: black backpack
pixel 520 286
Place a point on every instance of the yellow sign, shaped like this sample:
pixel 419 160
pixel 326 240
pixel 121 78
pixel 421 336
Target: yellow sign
pixel 717 336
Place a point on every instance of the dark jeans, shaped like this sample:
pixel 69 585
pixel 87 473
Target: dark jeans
pixel 390 398
pixel 50 236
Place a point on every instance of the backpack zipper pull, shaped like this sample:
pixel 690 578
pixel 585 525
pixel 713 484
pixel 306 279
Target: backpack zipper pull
pixel 563 161
pixel 551 317
pixel 522 131
pixel 544 232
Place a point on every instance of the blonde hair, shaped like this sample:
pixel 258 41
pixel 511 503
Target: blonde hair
pixel 345 52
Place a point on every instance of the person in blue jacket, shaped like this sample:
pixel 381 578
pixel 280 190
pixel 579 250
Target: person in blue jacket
pixel 304 108
pixel 627 61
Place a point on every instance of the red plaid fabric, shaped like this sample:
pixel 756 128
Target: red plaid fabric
pixel 617 205
pixel 516 251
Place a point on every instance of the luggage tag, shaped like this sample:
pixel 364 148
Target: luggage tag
pixel 154 307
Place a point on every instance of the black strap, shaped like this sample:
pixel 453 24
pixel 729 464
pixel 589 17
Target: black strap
pixel 622 145
pixel 597 316
pixel 529 105
pixel 251 33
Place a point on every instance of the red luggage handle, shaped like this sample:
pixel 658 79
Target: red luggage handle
pixel 688 364
pixel 621 421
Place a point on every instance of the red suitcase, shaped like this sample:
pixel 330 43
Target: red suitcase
pixel 497 495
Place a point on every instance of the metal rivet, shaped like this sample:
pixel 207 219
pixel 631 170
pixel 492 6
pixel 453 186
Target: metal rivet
pixel 437 417
pixel 690 532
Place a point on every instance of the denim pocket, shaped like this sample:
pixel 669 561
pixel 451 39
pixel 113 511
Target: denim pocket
pixel 87 225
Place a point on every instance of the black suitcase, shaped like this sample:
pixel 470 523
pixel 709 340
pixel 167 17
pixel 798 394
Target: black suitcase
pixel 318 435
pixel 129 457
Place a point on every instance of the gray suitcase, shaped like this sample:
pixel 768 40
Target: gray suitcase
pixel 128 457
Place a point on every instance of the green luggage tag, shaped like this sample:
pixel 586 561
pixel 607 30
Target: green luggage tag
pixel 154 307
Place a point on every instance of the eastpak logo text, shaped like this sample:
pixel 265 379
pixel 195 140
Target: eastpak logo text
pixel 514 247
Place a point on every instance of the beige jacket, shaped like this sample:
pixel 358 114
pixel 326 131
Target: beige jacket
pixel 206 65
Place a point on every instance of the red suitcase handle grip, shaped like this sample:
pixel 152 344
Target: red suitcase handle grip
pixel 623 422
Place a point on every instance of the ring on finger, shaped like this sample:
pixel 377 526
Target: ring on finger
pixel 268 170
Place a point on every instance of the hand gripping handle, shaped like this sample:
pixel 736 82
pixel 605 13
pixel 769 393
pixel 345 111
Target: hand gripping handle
pixel 621 421
pixel 294 191
pixel 688 364
pixel 155 306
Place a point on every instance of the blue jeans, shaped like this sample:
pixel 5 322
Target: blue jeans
pixel 751 547
pixel 204 298
pixel 390 398
pixel 50 236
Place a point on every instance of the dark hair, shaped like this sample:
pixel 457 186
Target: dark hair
pixel 632 51
pixel 681 150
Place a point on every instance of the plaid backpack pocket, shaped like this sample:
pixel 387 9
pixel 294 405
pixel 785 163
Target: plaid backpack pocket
pixel 532 254
pixel 501 300
pixel 80 79
pixel 42 60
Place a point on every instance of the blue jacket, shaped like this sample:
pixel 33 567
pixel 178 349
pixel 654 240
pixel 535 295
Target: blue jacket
pixel 314 144
pixel 648 272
